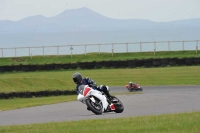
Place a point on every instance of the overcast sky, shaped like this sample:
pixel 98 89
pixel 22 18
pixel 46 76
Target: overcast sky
pixel 155 10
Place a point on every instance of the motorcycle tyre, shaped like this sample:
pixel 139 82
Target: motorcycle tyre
pixel 135 90
pixel 95 111
pixel 117 108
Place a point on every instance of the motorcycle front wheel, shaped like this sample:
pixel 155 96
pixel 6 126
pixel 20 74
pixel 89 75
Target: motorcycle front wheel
pixel 96 108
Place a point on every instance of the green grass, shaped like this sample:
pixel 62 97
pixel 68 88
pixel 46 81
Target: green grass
pixel 171 123
pixel 53 80
pixel 95 57
pixel 16 103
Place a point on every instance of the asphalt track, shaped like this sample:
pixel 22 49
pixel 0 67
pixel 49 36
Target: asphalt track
pixel 153 101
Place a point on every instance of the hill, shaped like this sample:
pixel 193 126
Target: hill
pixel 84 26
pixel 84 19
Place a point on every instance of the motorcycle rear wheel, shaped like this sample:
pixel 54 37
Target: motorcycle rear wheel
pixel 96 108
pixel 119 107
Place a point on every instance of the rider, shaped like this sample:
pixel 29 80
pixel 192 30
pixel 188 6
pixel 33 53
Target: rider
pixel 77 78
pixel 131 84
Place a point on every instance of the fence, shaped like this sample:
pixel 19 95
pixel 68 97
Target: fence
pixel 99 48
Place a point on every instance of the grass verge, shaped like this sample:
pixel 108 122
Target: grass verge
pixel 171 123
pixel 16 103
pixel 61 80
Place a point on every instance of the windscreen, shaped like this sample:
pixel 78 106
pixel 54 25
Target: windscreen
pixel 81 88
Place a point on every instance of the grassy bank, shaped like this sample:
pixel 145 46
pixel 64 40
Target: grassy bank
pixel 95 57
pixel 172 123
pixel 61 80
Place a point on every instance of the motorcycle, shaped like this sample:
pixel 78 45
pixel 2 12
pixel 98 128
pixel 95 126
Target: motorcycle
pixel 133 87
pixel 97 102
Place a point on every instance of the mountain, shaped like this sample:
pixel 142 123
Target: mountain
pixel 84 26
pixel 84 19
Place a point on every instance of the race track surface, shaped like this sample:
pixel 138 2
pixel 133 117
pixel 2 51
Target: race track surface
pixel 153 101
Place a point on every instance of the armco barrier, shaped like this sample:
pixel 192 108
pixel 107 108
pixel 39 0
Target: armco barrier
pixel 28 94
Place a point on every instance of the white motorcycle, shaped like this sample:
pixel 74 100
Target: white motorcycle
pixel 97 102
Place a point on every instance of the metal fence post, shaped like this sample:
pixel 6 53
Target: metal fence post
pixel 71 48
pixel 197 46
pixel 140 47
pixel 183 45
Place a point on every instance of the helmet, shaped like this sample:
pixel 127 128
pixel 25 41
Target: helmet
pixel 77 78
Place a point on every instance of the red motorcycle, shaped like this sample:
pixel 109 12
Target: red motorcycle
pixel 133 87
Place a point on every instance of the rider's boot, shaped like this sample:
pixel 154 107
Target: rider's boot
pixel 110 97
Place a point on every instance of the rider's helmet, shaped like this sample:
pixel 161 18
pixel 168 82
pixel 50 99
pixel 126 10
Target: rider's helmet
pixel 130 83
pixel 77 78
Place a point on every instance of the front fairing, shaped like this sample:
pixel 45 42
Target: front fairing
pixel 81 98
pixel 91 93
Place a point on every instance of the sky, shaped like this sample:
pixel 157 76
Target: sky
pixel 154 10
